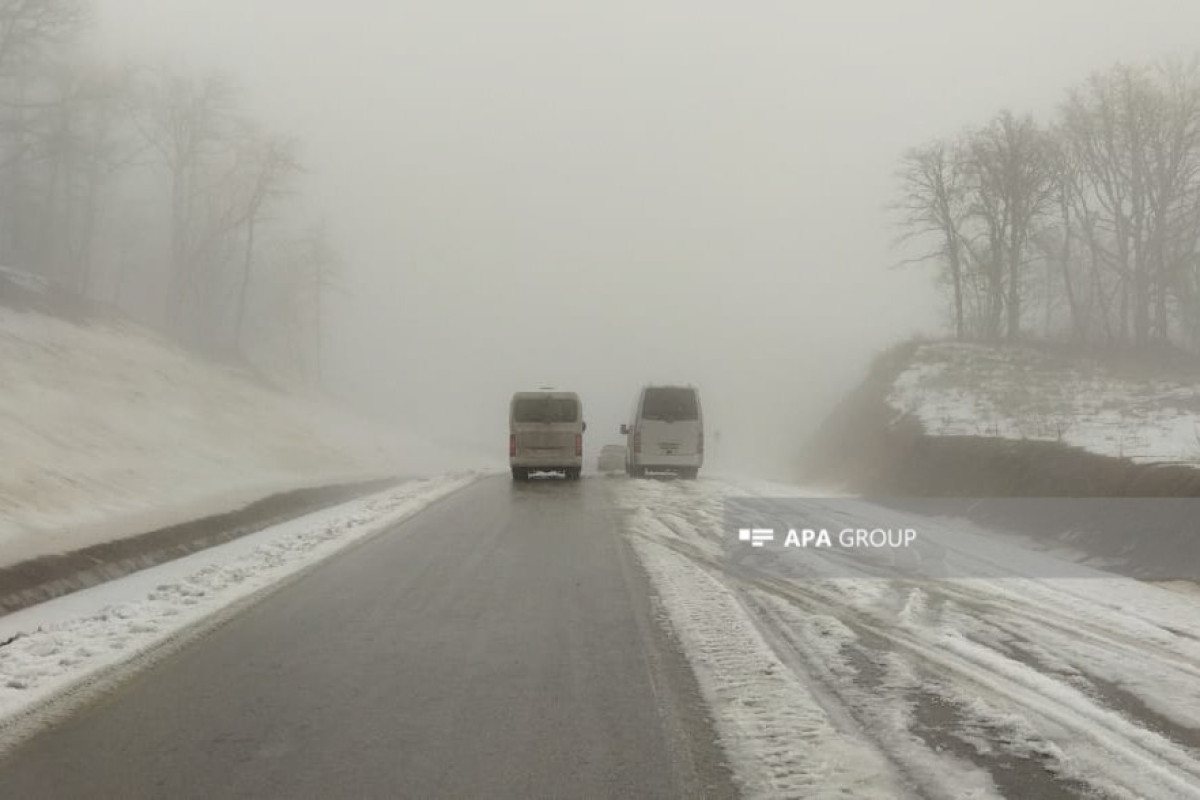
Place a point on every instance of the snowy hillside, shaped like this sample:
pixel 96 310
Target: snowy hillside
pixel 108 431
pixel 1023 393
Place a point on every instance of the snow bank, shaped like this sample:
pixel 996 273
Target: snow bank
pixel 109 431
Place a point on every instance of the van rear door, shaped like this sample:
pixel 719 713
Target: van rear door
pixel 545 427
pixel 669 423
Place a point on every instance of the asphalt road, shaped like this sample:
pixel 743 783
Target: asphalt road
pixel 501 644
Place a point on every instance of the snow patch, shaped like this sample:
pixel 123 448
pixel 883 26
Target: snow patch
pixel 1020 393
pixel 778 736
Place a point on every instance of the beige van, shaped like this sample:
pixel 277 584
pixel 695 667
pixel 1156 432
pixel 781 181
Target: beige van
pixel 545 434
pixel 667 432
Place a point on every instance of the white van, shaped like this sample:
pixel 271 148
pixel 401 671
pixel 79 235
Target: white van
pixel 667 432
pixel 545 434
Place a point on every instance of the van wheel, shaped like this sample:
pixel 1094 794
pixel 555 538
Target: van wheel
pixel 689 473
pixel 573 474
pixel 520 474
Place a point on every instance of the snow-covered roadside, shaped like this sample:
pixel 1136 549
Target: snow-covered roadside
pixel 61 652
pixel 957 389
pixel 111 431
pixel 985 686
pixel 780 740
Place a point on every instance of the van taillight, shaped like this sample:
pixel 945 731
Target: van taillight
pixel 579 444
pixel 512 445
pixel 637 441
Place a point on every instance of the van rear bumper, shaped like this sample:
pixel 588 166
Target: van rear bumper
pixel 669 462
pixel 546 462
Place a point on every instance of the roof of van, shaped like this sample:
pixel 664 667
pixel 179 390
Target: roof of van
pixel 544 394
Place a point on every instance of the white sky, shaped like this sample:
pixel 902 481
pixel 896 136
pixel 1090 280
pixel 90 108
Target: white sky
pixel 600 194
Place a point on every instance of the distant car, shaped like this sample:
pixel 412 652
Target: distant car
pixel 612 458
pixel 545 434
pixel 667 432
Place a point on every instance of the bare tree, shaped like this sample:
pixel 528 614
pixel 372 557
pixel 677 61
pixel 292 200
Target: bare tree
pixel 1107 199
pixel 267 164
pixel 77 144
pixel 1107 121
pixel 1010 180
pixel 1065 179
pixel 107 174
pixel 32 33
pixel 1134 133
pixel 187 122
pixel 933 207
pixel 322 268
pixel 285 336
pixel 28 27
pixel 1174 184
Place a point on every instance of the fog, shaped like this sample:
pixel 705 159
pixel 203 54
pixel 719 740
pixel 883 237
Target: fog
pixel 598 195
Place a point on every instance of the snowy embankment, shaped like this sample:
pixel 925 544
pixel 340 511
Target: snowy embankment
pixel 61 653
pixel 110 431
pixel 1027 394
pixel 824 682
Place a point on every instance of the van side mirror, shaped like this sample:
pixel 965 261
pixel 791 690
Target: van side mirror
pixel 585 426
pixel 624 429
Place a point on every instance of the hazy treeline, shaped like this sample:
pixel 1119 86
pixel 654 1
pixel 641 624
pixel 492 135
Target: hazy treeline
pixel 1085 226
pixel 151 189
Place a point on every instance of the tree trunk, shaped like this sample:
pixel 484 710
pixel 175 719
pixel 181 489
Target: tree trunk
pixel 1065 260
pixel 1014 296
pixel 247 264
pixel 955 259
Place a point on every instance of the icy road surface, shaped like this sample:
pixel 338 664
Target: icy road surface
pixel 592 639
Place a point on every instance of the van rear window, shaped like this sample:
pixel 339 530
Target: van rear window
pixel 546 409
pixel 670 404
